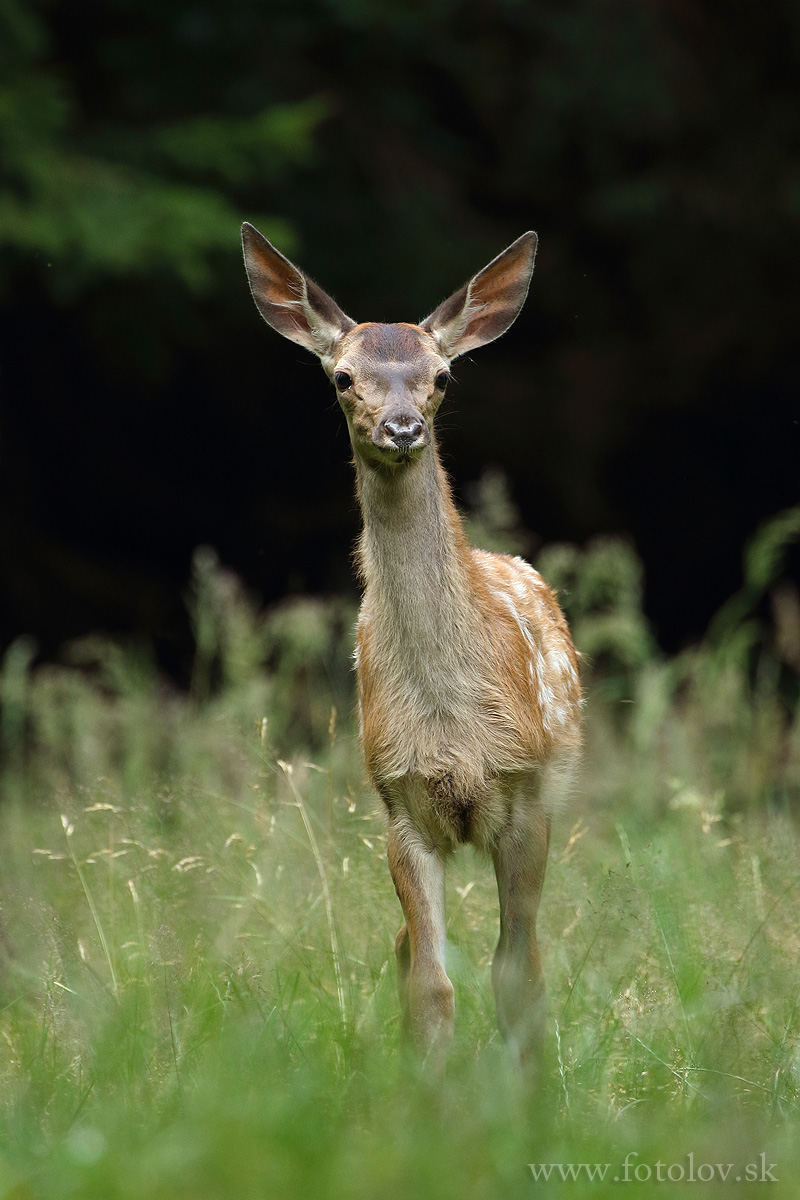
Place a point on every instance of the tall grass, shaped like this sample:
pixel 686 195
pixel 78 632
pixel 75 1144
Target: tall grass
pixel 197 988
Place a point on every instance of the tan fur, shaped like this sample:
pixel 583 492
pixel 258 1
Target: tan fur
pixel 468 688
pixel 466 671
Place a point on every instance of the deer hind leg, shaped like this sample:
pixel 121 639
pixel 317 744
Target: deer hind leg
pixel 520 858
pixel 426 994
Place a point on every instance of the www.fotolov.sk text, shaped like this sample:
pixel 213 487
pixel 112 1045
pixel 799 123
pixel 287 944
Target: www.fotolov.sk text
pixel 686 1171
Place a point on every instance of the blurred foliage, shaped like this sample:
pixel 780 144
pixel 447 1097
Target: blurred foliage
pixel 725 710
pixel 724 713
pixel 130 130
pixel 303 649
pixel 197 986
pixel 90 199
pixel 648 387
pixel 601 589
pixel 493 520
pixel 197 980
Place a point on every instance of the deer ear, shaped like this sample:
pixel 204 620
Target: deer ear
pixel 484 308
pixel 288 300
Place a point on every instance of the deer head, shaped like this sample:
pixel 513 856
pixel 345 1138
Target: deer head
pixel 389 379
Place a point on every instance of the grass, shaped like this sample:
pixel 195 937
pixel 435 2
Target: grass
pixel 197 987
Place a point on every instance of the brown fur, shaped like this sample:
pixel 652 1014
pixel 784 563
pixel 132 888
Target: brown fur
pixel 468 687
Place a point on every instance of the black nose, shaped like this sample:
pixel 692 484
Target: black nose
pixel 403 431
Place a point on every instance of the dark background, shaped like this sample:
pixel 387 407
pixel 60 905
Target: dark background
pixel 648 388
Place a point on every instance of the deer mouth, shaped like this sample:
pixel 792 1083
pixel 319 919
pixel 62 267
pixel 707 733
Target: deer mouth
pixel 407 447
pixel 395 451
pixel 402 444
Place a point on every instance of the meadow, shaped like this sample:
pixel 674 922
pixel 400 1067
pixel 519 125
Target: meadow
pixel 197 981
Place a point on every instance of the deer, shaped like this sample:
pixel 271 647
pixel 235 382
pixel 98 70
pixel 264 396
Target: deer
pixel 469 696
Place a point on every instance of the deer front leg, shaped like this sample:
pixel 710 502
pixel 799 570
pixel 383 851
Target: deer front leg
pixel 426 994
pixel 520 859
pixel 402 950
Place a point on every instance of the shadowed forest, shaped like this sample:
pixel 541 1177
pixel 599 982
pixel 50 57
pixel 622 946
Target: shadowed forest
pixel 649 388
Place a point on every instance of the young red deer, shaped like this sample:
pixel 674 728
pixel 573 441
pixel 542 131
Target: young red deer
pixel 467 678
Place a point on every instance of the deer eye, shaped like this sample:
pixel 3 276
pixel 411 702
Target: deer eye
pixel 442 380
pixel 342 380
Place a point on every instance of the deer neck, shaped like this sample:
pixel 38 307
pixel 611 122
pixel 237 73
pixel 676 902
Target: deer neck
pixel 415 563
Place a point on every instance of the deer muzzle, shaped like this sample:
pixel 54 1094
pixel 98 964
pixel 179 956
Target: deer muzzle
pixel 402 431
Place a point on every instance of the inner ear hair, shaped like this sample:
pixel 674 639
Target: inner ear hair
pixel 289 300
pixel 485 307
